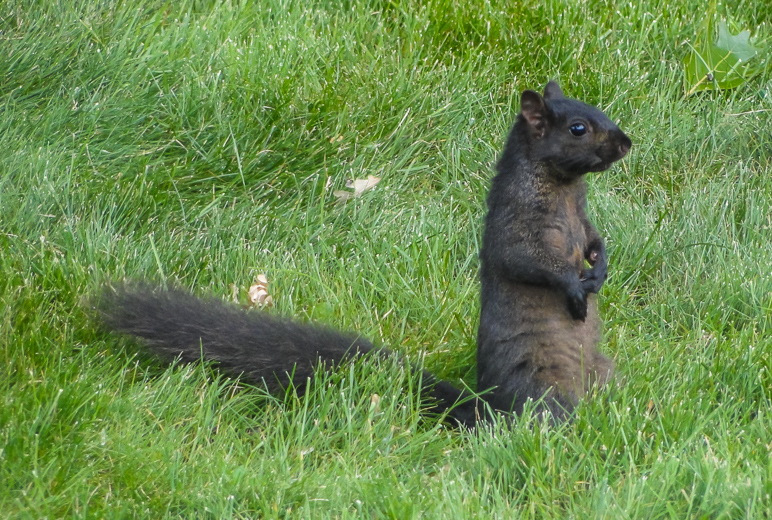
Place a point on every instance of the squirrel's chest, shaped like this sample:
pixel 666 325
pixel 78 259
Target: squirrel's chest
pixel 566 235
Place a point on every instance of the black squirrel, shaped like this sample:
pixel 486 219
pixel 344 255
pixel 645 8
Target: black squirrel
pixel 539 323
pixel 538 328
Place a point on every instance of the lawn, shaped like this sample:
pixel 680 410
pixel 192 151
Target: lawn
pixel 201 143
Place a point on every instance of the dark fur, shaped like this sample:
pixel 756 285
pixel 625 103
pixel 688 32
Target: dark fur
pixel 538 331
pixel 538 328
pixel 259 347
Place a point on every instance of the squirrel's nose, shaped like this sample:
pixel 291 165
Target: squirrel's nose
pixel 624 146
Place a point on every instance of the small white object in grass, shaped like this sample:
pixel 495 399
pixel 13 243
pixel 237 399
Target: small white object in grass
pixel 258 292
pixel 359 186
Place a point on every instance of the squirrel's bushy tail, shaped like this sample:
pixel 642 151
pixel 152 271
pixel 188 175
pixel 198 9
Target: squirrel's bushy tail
pixel 259 347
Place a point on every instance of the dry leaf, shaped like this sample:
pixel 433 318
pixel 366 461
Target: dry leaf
pixel 359 186
pixel 258 292
pixel 362 185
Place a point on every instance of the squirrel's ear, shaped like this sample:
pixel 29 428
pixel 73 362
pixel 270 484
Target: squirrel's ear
pixel 534 111
pixel 552 91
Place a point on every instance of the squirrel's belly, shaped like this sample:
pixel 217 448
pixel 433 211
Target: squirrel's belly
pixel 527 332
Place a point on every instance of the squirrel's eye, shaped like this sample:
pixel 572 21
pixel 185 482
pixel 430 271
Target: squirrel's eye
pixel 578 129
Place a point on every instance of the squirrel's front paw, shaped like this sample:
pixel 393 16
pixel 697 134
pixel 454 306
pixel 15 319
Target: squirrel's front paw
pixel 577 304
pixel 592 279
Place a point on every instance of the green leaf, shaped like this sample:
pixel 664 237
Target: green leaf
pixel 739 44
pixel 720 65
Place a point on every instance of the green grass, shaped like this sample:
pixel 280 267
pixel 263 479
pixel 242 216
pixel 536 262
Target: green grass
pixel 201 141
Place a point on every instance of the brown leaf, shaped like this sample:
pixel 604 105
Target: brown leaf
pixel 358 185
pixel 258 292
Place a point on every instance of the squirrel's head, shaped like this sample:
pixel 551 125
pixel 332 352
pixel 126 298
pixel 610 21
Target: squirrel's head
pixel 573 138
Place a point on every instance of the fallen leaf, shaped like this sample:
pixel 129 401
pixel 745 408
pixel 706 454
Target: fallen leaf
pixel 720 65
pixel 359 186
pixel 258 292
pixel 738 44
